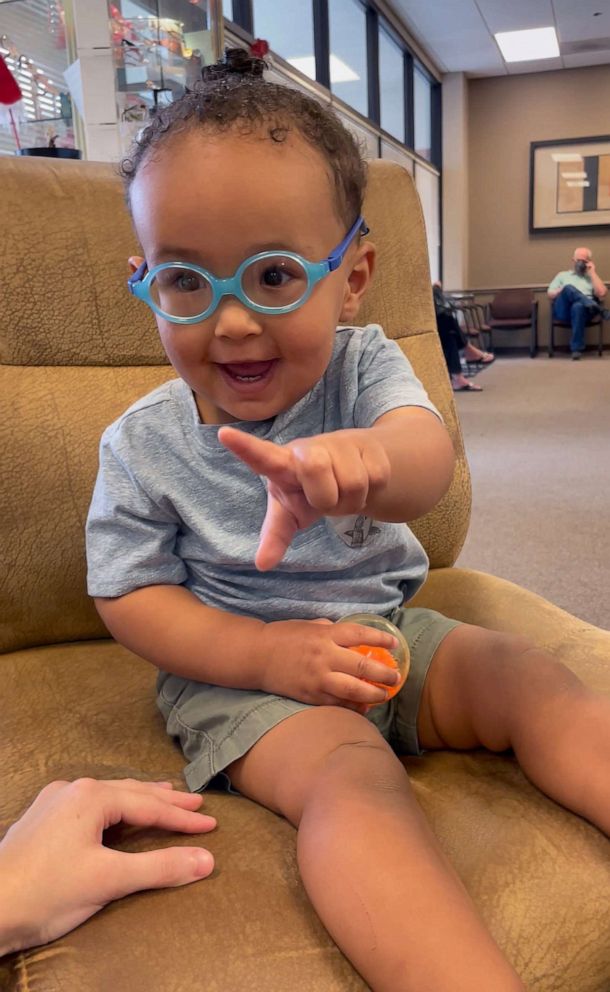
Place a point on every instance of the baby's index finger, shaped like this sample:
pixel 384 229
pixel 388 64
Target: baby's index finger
pixel 263 457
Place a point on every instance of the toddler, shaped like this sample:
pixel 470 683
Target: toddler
pixel 245 507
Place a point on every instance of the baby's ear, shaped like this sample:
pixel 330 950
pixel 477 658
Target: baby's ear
pixel 358 281
pixel 134 262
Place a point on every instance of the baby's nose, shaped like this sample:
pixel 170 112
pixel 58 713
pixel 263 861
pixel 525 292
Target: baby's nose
pixel 235 320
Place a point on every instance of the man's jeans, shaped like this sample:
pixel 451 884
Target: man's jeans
pixel 574 308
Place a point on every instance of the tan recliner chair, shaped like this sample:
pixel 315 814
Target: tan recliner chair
pixel 75 351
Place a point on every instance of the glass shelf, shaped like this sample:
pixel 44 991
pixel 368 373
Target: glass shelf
pixel 159 49
pixel 46 120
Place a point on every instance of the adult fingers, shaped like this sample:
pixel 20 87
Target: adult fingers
pixel 164 791
pixel 160 869
pixel 145 810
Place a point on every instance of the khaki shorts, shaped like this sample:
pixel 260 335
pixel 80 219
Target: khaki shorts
pixel 215 725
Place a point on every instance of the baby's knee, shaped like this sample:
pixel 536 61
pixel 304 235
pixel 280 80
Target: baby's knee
pixel 355 763
pixel 361 769
pixel 526 668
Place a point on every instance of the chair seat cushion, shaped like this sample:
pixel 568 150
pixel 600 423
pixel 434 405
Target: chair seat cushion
pixel 508 324
pixel 539 875
pixel 590 323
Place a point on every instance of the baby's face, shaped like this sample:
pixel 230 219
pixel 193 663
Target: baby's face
pixel 215 201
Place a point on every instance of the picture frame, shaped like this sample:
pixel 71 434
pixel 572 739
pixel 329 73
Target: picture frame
pixel 569 184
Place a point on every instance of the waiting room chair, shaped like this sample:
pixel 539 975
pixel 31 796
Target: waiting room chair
pixel 477 326
pixel 514 310
pixel 596 321
pixel 74 354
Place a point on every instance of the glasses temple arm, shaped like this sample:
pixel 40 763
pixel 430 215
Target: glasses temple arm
pixel 336 257
pixel 137 276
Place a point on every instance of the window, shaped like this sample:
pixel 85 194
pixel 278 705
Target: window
pixel 422 94
pixel 288 27
pixel 348 53
pixel 227 9
pixel 34 46
pixel 366 137
pixel 391 86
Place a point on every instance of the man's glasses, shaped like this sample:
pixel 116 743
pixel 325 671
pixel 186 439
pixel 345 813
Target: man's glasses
pixel 271 282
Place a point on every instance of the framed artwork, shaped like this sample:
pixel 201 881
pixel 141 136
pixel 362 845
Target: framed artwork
pixel 569 184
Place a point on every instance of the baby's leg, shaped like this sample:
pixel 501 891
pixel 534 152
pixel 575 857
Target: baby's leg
pixel 371 866
pixel 499 691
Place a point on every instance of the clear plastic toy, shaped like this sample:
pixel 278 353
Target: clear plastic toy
pixel 397 657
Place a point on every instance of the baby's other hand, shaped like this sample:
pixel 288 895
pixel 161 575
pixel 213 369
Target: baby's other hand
pixel 311 660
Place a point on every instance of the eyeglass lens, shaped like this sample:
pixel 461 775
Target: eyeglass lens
pixel 271 282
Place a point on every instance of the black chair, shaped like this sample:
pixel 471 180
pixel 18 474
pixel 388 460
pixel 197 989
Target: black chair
pixel 514 310
pixel 473 321
pixel 596 321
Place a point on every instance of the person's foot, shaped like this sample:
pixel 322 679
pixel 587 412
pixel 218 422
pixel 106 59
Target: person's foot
pixel 472 354
pixel 463 385
pixel 576 356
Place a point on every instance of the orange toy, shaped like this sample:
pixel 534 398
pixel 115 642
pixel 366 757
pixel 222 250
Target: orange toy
pixel 386 658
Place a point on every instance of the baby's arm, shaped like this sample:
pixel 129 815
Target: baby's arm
pixel 301 659
pixel 421 458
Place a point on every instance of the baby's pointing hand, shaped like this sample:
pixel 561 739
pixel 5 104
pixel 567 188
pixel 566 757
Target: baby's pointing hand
pixel 328 474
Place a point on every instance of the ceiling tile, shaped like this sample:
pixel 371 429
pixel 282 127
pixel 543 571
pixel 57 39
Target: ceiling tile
pixel 516 15
pixel 575 22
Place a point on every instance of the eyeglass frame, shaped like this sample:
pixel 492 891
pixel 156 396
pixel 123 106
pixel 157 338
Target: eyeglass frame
pixel 140 281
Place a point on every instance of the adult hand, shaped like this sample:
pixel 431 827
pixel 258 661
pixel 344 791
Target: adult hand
pixel 55 871
pixel 325 475
pixel 311 660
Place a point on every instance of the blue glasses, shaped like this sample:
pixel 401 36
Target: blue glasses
pixel 271 282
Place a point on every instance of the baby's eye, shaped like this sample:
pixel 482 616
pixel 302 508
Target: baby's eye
pixel 188 282
pixel 274 276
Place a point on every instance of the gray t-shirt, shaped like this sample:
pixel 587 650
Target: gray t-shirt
pixel 172 506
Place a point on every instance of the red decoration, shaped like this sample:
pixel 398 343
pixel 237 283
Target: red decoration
pixel 259 48
pixel 9 87
pixel 10 94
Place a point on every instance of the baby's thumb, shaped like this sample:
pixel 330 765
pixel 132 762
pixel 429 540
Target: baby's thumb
pixel 162 869
pixel 278 530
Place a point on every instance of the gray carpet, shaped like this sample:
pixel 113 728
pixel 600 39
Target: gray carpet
pixel 538 445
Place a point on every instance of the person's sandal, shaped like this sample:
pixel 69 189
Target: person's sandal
pixel 470 387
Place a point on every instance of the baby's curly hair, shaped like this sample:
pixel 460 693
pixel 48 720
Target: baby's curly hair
pixel 233 96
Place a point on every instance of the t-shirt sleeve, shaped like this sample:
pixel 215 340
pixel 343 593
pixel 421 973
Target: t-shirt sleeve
pixel 557 282
pixel 386 380
pixel 130 536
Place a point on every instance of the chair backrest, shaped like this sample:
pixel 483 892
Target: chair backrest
pixel 512 304
pixel 76 350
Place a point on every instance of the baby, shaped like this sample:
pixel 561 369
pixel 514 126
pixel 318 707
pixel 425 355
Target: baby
pixel 225 555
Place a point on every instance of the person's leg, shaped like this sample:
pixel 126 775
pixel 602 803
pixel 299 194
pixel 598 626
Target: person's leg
pixel 573 307
pixel 499 691
pixel 369 861
pixel 578 320
pixel 449 343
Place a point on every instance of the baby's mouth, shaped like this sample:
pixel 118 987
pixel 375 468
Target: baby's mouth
pixel 248 371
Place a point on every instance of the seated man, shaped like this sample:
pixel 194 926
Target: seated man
pixel 576 296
